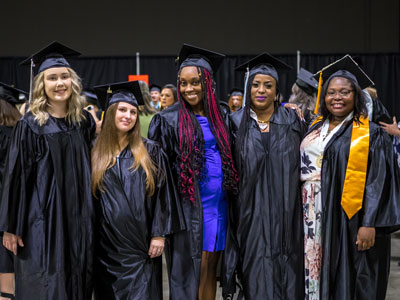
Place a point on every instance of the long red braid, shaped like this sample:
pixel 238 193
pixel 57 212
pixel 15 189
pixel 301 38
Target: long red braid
pixel 190 148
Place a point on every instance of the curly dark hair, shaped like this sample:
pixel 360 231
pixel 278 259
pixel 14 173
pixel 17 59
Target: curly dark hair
pixel 191 160
pixel 360 109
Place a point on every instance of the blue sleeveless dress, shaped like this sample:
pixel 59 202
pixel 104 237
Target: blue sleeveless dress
pixel 212 195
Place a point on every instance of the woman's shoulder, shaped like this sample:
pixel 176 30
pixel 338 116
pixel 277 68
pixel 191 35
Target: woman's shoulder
pixel 283 115
pixel 236 116
pixel 29 122
pixel 167 117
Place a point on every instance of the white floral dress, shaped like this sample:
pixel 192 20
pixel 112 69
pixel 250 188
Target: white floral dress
pixel 311 150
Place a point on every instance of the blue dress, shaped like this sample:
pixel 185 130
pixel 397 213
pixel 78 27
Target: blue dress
pixel 212 195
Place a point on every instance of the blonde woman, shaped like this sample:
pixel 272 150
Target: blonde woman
pixel 136 198
pixel 46 210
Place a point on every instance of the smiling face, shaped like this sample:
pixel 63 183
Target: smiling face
pixel 125 117
pixel 155 96
pixel 339 99
pixel 57 85
pixel 190 87
pixel 262 92
pixel 167 98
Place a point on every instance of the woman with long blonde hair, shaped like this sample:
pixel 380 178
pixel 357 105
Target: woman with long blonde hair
pixel 46 211
pixel 136 197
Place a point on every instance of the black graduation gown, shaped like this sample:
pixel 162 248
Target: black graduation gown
pixel 185 247
pixel 47 200
pixel 378 109
pixel 346 272
pixel 126 222
pixel 265 241
pixel 6 257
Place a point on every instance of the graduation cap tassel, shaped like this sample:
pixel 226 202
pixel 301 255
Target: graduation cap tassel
pixel 319 94
pixel 245 87
pixel 31 81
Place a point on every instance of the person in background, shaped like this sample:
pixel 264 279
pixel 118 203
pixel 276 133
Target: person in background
pixel 235 99
pixel 350 192
pixel 92 106
pixel 155 93
pixel 394 130
pixel 168 96
pixel 9 115
pixel 146 111
pixel 46 209
pixel 304 94
pixel 135 199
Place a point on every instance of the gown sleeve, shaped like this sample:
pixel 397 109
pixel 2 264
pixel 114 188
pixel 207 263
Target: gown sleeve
pixel 168 215
pixel 18 171
pixel 161 132
pixel 89 129
pixel 382 189
pixel 231 253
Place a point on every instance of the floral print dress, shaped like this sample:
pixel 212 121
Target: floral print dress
pixel 312 150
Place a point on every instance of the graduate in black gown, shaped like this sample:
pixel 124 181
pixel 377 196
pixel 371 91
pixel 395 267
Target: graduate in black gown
pixel 265 244
pixel 46 210
pixel 304 94
pixel 135 198
pixel 9 115
pixel 350 193
pixel 195 137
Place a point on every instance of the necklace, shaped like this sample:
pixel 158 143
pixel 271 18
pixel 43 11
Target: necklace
pixel 263 125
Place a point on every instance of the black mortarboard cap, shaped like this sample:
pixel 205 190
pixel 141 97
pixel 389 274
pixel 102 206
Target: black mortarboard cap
pixel 198 57
pixel 51 56
pixel 348 68
pixel 11 94
pixel 264 63
pixel 91 97
pixel 345 67
pixel 127 91
pixel 155 87
pixel 236 92
pixel 306 81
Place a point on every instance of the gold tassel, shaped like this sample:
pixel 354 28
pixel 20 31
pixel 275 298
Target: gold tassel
pixel 319 94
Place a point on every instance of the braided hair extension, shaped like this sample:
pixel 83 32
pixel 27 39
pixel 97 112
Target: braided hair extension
pixel 191 160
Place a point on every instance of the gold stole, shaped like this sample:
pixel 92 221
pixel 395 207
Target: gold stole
pixel 356 170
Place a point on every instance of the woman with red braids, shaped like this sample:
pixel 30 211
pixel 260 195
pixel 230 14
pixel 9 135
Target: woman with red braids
pixel 194 135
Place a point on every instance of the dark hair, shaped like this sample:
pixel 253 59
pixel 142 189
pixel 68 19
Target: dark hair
pixel 9 115
pixel 173 89
pixel 191 160
pixel 360 109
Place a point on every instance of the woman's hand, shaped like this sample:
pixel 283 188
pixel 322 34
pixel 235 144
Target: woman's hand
pixel 298 110
pixel 391 129
pixel 12 241
pixel 365 238
pixel 156 246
